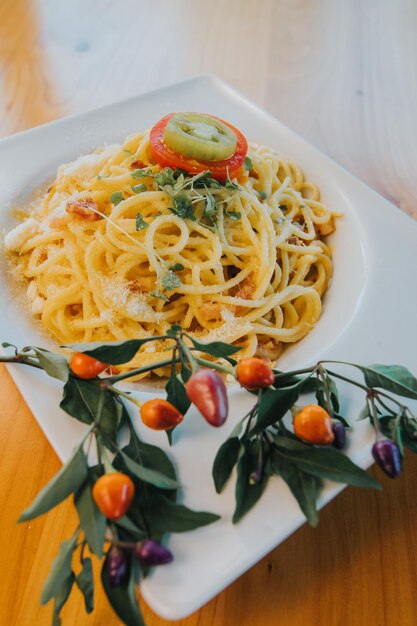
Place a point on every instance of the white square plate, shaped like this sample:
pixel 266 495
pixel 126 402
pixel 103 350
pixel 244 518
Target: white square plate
pixel 368 317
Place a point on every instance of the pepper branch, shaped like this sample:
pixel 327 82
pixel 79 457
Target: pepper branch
pixel 126 501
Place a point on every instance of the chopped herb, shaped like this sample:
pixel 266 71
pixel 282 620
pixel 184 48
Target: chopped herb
pixel 140 222
pixel 100 176
pixel 127 152
pixel 205 179
pixel 283 207
pixel 247 164
pixel 262 195
pixel 116 197
pixel 233 215
pixel 159 295
pixel 280 220
pixel 183 207
pixel 171 281
pixel 139 188
pixel 177 267
pixel 141 173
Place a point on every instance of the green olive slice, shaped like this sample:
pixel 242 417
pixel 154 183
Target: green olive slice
pixel 200 137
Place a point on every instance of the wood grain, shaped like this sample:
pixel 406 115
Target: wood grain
pixel 343 75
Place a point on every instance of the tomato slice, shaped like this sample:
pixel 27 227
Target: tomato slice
pixel 220 170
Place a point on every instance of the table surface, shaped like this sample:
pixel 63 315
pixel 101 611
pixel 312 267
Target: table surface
pixel 343 75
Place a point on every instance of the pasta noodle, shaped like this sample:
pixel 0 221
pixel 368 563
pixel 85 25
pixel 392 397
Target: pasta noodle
pixel 109 253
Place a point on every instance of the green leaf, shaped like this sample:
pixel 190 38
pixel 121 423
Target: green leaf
pixel 116 197
pixel 93 522
pixel 56 365
pixel 81 400
pixel 331 464
pixel 85 583
pixel 176 393
pixel 247 494
pixel 61 569
pixel 69 478
pixel 128 526
pixel 183 207
pixel 171 281
pixel 61 597
pixel 226 459
pixel 215 348
pixel 140 222
pixel 148 455
pixel 364 413
pixel 151 476
pixel 123 598
pixel 393 378
pixel 247 164
pixel 304 487
pixel 112 352
pixel 273 405
pixel 290 443
pixel 163 515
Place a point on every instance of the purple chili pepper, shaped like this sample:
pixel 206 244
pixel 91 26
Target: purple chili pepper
pixel 117 566
pixel 387 455
pixel 150 552
pixel 339 432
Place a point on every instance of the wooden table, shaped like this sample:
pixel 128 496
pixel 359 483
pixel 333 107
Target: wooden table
pixel 344 76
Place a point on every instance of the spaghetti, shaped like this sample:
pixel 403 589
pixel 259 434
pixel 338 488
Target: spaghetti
pixel 120 248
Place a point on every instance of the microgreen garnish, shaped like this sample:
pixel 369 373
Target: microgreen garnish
pixel 247 164
pixel 116 197
pixel 233 215
pixel 127 152
pixel 177 267
pixel 140 222
pixel 283 207
pixel 261 446
pixel 100 176
pixel 139 188
pixel 262 195
pixel 141 173
pixel 183 207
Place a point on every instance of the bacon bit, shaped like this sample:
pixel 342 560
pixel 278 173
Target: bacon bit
pixel 83 209
pixel 136 287
pixel 295 241
pixel 269 349
pixel 245 291
pixel 254 174
pixel 138 165
pixel 211 311
pixel 325 229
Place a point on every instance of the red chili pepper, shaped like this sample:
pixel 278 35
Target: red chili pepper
pixel 206 389
pixel 254 373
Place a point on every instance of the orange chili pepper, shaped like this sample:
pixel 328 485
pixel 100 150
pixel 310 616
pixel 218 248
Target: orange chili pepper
pixel 314 425
pixel 254 373
pixel 113 493
pixel 160 414
pixel 85 366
